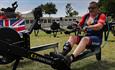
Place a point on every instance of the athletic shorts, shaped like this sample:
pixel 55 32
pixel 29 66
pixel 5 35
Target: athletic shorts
pixel 93 43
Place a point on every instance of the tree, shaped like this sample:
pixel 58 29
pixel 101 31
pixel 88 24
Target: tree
pixel 73 13
pixel 70 11
pixel 107 6
pixel 49 8
pixel 111 9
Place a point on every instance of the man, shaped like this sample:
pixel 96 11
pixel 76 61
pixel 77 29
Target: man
pixel 93 36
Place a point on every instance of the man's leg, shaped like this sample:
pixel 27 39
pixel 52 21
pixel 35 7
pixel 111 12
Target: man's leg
pixel 69 44
pixel 86 42
pixel 80 48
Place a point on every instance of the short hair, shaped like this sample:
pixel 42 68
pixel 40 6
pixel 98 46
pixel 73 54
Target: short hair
pixel 93 2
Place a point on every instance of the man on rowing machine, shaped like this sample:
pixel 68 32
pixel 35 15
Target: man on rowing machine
pixel 93 22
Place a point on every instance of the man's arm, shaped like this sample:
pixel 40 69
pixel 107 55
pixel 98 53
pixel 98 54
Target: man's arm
pixel 99 24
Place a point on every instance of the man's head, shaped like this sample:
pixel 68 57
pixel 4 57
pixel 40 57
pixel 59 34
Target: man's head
pixel 93 8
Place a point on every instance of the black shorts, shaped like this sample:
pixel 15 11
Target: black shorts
pixel 95 42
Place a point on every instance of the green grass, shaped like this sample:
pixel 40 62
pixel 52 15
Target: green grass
pixel 90 63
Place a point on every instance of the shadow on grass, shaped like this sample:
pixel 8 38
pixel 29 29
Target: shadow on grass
pixel 21 64
pixel 111 40
pixel 25 62
pixel 101 65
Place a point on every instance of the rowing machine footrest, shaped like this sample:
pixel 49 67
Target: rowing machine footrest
pixel 88 53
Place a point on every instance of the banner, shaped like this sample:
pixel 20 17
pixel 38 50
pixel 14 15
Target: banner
pixel 17 24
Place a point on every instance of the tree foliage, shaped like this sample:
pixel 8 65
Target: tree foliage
pixel 108 6
pixel 70 11
pixel 73 13
pixel 49 8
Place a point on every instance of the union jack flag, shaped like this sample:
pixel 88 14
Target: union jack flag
pixel 17 24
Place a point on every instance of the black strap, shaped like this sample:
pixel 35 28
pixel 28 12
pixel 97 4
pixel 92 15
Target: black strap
pixel 87 15
pixel 106 27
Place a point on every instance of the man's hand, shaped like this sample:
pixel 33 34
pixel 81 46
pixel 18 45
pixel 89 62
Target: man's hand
pixel 85 28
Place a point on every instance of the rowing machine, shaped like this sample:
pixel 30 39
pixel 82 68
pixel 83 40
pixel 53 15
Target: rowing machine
pixel 14 47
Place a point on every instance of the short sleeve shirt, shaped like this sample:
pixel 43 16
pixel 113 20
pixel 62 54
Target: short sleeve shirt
pixel 102 19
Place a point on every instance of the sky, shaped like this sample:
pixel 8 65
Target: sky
pixel 28 5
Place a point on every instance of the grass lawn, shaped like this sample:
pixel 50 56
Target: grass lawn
pixel 90 63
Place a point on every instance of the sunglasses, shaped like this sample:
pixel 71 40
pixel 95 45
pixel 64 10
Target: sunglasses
pixel 92 7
